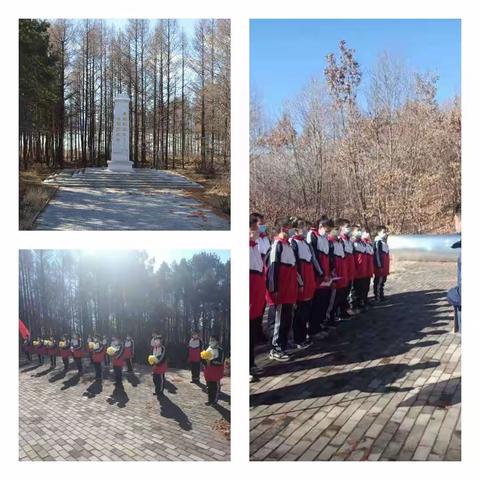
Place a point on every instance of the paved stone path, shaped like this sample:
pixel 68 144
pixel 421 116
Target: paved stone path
pixel 386 386
pixel 143 200
pixel 62 418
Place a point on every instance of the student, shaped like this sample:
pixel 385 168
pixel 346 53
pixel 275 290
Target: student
pixel 317 238
pixel 88 350
pixel 257 294
pixel 64 348
pixel 282 288
pixel 27 347
pixel 52 351
pixel 263 240
pixel 340 271
pixel 118 360
pixel 345 310
pixel 454 295
pixel 152 341
pixel 195 346
pixel 76 347
pixel 308 270
pixel 160 366
pixel 360 257
pixel 381 262
pixel 370 265
pixel 41 350
pixel 105 344
pixel 98 356
pixel 129 352
pixel 213 370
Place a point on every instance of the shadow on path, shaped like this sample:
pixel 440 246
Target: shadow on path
pixel 94 389
pixel 442 394
pixel 71 382
pixel 168 409
pixel 373 380
pixel 58 376
pixel 223 412
pixel 118 397
pixel 132 379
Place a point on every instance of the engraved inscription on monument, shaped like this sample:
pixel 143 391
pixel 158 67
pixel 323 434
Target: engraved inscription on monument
pixel 120 137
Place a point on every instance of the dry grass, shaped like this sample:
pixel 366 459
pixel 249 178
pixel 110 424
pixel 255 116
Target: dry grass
pixel 33 195
pixel 216 188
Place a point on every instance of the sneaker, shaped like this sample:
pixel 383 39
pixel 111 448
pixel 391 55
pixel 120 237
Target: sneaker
pixel 279 356
pixel 208 404
pixel 254 378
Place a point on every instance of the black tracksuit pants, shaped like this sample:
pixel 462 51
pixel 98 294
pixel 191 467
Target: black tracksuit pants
pixel 213 391
pixel 301 321
pixel 98 370
pixel 256 334
pixel 159 382
pixel 195 369
pixel 279 325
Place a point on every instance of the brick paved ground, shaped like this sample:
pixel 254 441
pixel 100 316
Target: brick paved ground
pixel 62 418
pixel 386 386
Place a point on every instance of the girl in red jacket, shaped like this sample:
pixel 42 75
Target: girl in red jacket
pixel 129 353
pixel 118 359
pixel 309 271
pixel 160 365
pixel 194 348
pixel 257 293
pixel 213 369
pixel 98 356
pixel 64 349
pixel 52 351
pixel 283 282
pixel 76 347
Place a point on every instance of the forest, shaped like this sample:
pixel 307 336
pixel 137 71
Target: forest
pixel 125 292
pixel 392 157
pixel 178 83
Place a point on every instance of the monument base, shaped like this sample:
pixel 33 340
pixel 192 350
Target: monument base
pixel 119 166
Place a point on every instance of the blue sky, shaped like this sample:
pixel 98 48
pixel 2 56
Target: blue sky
pixel 285 54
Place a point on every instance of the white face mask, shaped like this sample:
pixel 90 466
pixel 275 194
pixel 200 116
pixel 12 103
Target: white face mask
pixel 157 343
pixel 321 230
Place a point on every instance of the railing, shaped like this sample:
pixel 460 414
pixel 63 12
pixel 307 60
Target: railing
pixel 428 248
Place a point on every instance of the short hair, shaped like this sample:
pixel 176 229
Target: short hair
pixel 324 221
pixel 379 228
pixel 259 216
pixel 356 225
pixel 215 337
pixel 283 222
pixel 253 219
pixel 298 223
pixel 342 222
pixel 458 210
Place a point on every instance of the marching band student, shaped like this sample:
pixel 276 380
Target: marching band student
pixel 318 239
pixel 263 240
pixel 89 350
pixel 77 351
pixel 98 356
pixel 27 348
pixel 160 366
pixel 118 360
pixel 213 370
pixel 105 344
pixel 64 348
pixel 129 352
pixel 194 348
pixel 52 351
pixel 309 270
pixel 155 334
pixel 257 293
pixel 382 262
pixel 41 350
pixel 282 288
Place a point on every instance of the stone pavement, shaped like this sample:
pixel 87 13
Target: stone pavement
pixel 64 418
pixel 142 200
pixel 386 386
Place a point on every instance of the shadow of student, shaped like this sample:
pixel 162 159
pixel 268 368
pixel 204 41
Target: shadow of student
pixel 71 382
pixel 118 397
pixel 372 380
pixel 442 394
pixel 168 409
pixel 221 396
pixel 29 369
pixel 225 413
pixel 132 379
pixel 171 388
pixel 43 372
pixel 94 389
pixel 58 376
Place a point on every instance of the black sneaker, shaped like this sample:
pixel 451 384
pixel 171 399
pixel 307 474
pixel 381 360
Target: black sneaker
pixel 279 356
pixel 304 345
pixel 208 404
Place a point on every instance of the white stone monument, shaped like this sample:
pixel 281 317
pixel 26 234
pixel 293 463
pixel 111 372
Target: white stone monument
pixel 120 161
